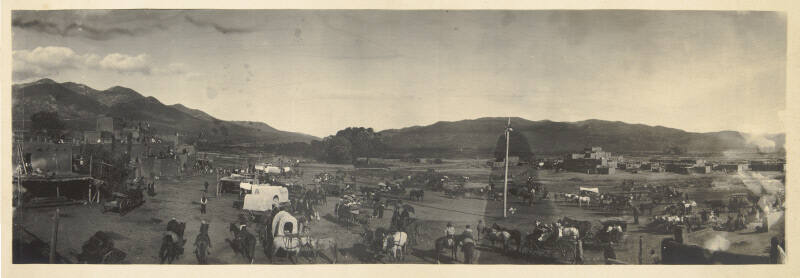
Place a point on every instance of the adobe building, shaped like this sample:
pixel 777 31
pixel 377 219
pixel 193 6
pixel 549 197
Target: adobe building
pixel 592 161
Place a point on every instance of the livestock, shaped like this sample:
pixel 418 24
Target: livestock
pixel 395 245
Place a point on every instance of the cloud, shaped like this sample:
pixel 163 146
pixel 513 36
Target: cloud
pixel 45 61
pixel 50 60
pixel 216 26
pixel 126 64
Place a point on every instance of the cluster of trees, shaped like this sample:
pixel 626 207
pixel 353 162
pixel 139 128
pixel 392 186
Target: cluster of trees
pixel 343 148
pixel 47 124
pixel 349 144
pixel 518 147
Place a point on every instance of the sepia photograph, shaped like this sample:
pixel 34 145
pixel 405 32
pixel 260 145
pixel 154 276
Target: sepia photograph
pixel 319 136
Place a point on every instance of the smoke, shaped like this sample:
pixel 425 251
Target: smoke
pixel 768 190
pixel 40 163
pixel 717 243
pixel 759 184
pixel 760 141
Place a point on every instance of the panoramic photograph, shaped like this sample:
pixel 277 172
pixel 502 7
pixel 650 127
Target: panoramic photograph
pixel 594 137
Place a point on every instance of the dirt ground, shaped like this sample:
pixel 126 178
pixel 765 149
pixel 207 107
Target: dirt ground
pixel 139 232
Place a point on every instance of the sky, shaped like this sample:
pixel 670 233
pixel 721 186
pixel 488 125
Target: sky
pixel 319 71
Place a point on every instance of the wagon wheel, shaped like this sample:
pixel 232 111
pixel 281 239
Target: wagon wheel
pixel 123 206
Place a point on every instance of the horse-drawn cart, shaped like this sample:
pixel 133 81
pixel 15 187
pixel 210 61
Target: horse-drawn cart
pixel 124 202
pixel 99 249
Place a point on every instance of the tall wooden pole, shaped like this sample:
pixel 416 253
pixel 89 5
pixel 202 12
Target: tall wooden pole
pixel 505 183
pixel 54 238
pixel 641 250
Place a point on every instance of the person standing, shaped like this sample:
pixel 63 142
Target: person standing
pixel 609 254
pixel 533 195
pixel 381 207
pixel 468 245
pixel 636 215
pixel 479 229
pixel 654 257
pixel 205 187
pixel 203 202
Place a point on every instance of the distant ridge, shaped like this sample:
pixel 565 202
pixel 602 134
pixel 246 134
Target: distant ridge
pixel 479 136
pixel 81 105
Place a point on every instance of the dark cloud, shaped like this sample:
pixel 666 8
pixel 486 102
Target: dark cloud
pixel 74 29
pixel 219 28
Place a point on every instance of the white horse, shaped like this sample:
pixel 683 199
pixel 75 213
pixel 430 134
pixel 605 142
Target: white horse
pixel 568 232
pixel 583 199
pixel 395 245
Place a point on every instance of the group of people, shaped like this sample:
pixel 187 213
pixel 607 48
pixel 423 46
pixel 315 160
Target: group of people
pixel 468 241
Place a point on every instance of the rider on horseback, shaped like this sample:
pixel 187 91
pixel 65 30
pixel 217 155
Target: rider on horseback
pixel 468 234
pixel 450 233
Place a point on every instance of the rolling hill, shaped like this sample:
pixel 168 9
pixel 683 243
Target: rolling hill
pixel 479 136
pixel 81 105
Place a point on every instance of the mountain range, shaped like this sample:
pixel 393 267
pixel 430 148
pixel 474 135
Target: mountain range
pixel 479 136
pixel 80 105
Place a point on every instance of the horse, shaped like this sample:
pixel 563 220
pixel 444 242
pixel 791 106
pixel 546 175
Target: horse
pixel 202 244
pixel 322 244
pixel 244 243
pixel 372 239
pixel 172 242
pixel 648 207
pixel 233 228
pixel 494 235
pixel 583 226
pixel 442 243
pixel 568 232
pixel 468 247
pixel 416 194
pixel 395 245
pixel 170 245
pixel 583 199
pixel 514 235
pixel 540 236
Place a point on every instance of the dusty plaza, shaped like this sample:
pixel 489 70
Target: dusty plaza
pixel 139 232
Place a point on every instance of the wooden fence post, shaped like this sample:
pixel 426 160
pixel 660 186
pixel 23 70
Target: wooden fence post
pixel 54 238
pixel 641 250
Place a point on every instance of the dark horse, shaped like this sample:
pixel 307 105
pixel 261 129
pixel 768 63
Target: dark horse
pixel 201 248
pixel 516 235
pixel 417 194
pixel 442 243
pixel 244 243
pixel 172 242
